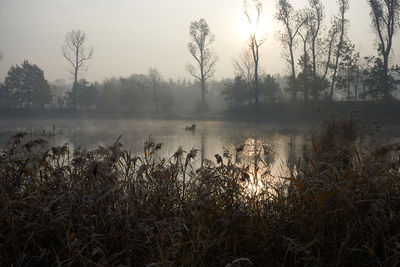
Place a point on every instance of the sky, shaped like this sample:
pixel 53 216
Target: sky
pixel 131 36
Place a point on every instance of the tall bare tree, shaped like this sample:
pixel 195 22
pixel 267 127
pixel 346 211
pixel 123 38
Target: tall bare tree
pixel 244 68
pixel 76 52
pixel 385 21
pixel 349 72
pixel 305 77
pixel 316 16
pixel 200 48
pixel 341 25
pixel 292 22
pixel 156 82
pixel 255 41
pixel 330 41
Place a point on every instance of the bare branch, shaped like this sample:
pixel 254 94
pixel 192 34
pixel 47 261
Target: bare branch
pixel 75 51
pixel 254 42
pixel 199 48
pixel 385 15
pixel 192 71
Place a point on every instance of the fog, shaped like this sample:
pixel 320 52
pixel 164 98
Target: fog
pixel 133 36
pixel 144 60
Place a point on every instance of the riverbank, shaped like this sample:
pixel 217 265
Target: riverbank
pixel 304 113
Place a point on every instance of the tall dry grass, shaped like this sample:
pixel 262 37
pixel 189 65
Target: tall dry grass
pixel 339 206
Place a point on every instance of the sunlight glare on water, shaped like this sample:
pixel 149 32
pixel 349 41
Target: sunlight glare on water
pixel 269 142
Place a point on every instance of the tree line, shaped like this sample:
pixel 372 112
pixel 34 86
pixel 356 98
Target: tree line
pixel 323 64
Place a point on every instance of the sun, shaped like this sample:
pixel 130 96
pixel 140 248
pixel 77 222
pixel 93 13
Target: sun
pixel 245 29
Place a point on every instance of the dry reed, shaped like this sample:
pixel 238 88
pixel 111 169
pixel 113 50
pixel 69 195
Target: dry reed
pixel 339 206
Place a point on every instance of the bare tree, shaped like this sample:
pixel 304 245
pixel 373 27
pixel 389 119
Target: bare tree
pixel 254 41
pixel 244 67
pixel 1 55
pixel 385 21
pixel 200 48
pixel 155 81
pixel 349 71
pixel 292 22
pixel 330 42
pixel 77 53
pixel 304 78
pixel 315 20
pixel 341 24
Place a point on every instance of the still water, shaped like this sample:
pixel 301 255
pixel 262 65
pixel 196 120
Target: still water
pixel 278 144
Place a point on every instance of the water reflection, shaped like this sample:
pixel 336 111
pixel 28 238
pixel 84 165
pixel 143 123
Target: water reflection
pixel 267 149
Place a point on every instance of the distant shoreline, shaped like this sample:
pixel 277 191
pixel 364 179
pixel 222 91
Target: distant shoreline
pixel 297 113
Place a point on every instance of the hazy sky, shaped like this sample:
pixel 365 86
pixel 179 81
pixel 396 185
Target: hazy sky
pixel 130 36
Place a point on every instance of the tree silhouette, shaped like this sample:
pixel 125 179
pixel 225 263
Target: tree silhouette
pixel 235 92
pixel 305 77
pixel 244 68
pixel 385 15
pixel 156 83
pixel 379 84
pixel 292 22
pixel 77 53
pixel 341 24
pixel 254 41
pixel 270 89
pixel 349 72
pixel 26 87
pixel 199 47
pixel 86 95
pixel 316 16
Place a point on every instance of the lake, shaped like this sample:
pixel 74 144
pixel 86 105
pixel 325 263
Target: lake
pixel 276 143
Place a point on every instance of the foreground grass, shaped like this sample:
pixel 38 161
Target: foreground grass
pixel 339 206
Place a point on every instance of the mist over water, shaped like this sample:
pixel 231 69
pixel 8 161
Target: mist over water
pixel 278 145
pixel 213 137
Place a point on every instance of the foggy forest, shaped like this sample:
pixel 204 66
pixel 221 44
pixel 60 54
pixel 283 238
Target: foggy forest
pixel 291 157
pixel 324 66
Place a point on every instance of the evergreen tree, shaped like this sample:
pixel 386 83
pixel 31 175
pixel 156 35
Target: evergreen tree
pixel 235 92
pixel 26 87
pixel 270 89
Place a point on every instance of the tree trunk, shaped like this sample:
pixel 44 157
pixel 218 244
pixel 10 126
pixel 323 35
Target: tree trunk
pixel 348 82
pixel 75 78
pixel 314 62
pixel 203 90
pixel 386 73
pixel 338 54
pixel 293 78
pixel 256 82
pixel 203 79
pixel 305 63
